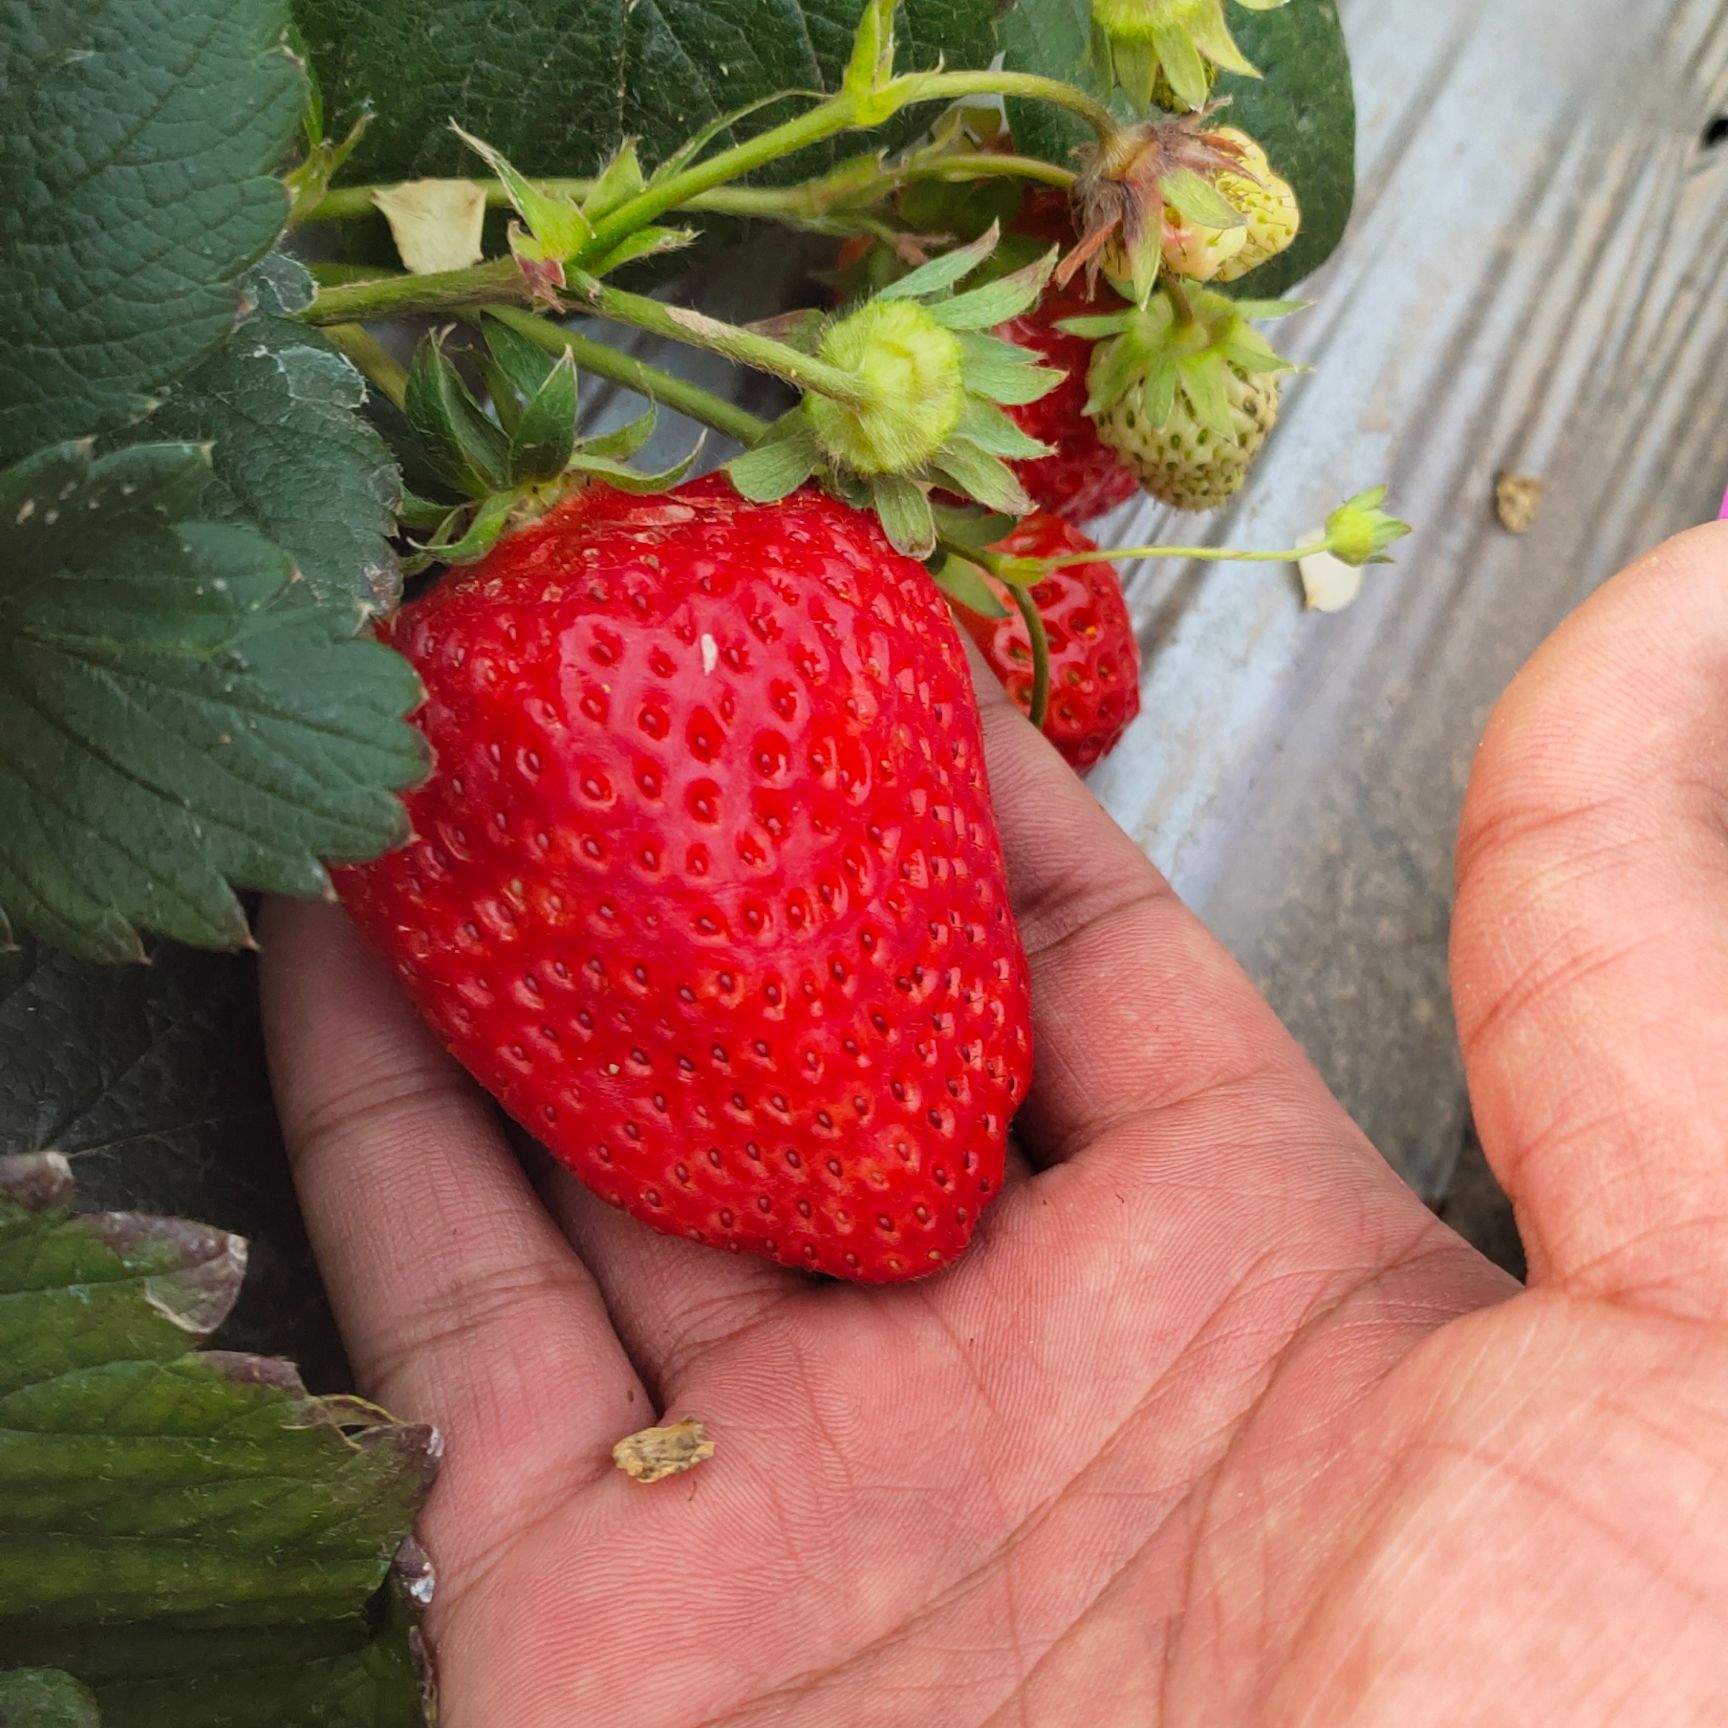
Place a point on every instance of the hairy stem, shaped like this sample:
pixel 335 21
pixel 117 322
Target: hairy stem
pixel 1204 554
pixel 844 189
pixel 747 347
pixel 374 362
pixel 650 381
pixel 1040 704
pixel 389 296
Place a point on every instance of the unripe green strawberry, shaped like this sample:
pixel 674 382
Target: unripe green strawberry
pixel 1185 392
pixel 1183 461
pixel 1266 201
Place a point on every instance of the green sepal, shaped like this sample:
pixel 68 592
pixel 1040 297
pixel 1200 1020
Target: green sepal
pixel 1211 35
pixel 544 438
pixel 903 508
pixel 486 523
pixel 1002 372
pixel 996 302
pixel 966 585
pixel 526 364
pixel 1202 381
pixel 1095 326
pixel 623 443
pixel 780 464
pixel 1199 200
pixel 421 513
pixel 467 451
pixel 1184 68
pixel 1260 311
pixel 632 480
pixel 557 229
pixel 990 429
pixel 618 182
pixel 647 242
pixel 975 473
pixel 870 67
pixel 969 527
pixel 943 272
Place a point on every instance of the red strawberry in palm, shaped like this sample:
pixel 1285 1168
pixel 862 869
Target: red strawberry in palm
pixel 1094 659
pixel 706 887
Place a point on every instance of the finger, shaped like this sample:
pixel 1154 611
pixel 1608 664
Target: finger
pixel 1160 1070
pixel 1590 948
pixel 459 1300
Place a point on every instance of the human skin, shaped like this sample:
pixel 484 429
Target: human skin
pixel 1216 1426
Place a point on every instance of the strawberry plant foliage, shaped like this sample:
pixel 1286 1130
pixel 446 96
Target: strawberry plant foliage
pixel 175 1525
pixel 558 84
pixel 180 713
pixel 289 453
pixel 135 189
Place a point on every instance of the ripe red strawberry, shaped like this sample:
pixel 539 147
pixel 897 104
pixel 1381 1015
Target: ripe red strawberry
pixel 1084 477
pixel 706 888
pixel 1094 659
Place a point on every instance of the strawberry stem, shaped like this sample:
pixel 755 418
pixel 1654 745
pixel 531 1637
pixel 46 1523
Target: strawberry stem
pixel 748 347
pixel 390 294
pixel 650 381
pixel 1204 554
pixel 372 360
pixel 843 190
pixel 1039 708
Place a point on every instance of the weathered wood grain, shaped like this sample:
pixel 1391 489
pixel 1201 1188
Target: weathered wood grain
pixel 1537 278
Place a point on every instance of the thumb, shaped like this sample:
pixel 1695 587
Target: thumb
pixel 1590 948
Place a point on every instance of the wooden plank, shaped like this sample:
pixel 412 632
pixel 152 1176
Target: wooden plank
pixel 1537 278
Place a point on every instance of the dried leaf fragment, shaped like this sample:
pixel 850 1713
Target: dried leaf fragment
pixel 652 1453
pixel 1518 500
pixel 435 223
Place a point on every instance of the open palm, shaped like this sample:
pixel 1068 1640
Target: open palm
pixel 1216 1425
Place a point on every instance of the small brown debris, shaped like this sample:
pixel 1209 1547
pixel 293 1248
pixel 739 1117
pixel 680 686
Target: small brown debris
pixel 1518 500
pixel 652 1453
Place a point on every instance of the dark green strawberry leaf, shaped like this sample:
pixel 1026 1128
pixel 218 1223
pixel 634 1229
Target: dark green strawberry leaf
pixel 290 453
pixel 179 713
pixel 1303 110
pixel 135 190
pixel 1054 38
pixel 151 1081
pixel 45 1698
pixel 557 85
pixel 192 1536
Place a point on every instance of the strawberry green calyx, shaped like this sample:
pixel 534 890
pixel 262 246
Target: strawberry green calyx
pixel 1359 531
pixel 922 407
pixel 912 367
pixel 489 469
pixel 1186 400
pixel 1170 49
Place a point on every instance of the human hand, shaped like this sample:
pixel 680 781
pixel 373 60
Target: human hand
pixel 1215 1425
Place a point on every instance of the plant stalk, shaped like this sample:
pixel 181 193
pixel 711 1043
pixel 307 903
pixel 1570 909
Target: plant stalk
pixel 389 296
pixel 747 347
pixel 372 360
pixel 658 386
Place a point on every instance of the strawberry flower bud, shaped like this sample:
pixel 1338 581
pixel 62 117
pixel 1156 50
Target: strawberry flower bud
pixel 911 368
pixel 1358 532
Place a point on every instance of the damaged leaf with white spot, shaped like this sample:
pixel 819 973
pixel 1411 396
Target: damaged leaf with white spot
pixel 180 1528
